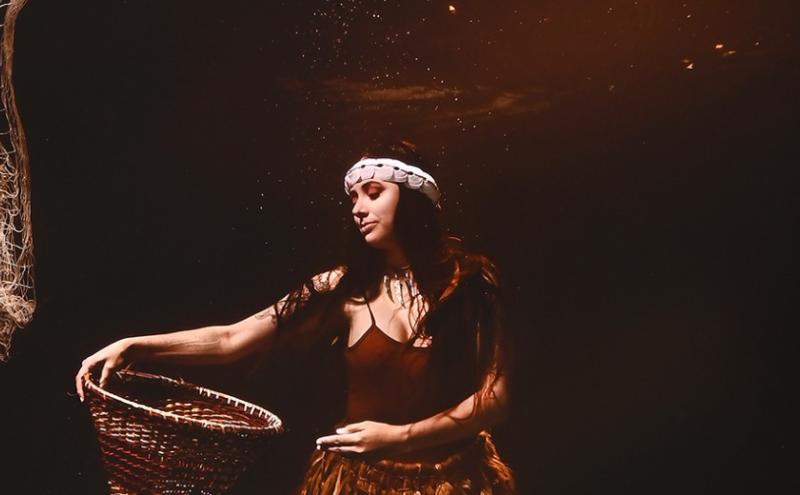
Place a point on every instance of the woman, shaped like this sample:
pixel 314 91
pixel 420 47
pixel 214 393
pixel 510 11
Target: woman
pixel 411 320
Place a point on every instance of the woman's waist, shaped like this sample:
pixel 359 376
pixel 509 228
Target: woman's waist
pixel 429 456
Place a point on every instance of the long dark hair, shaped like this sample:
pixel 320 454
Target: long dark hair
pixel 469 341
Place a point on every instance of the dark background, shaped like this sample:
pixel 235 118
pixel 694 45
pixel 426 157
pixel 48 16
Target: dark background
pixel 635 183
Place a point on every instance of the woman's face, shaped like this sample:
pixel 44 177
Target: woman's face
pixel 374 207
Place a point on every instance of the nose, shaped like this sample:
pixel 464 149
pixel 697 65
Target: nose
pixel 358 209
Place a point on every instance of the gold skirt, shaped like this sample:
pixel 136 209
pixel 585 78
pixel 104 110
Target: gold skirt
pixel 477 469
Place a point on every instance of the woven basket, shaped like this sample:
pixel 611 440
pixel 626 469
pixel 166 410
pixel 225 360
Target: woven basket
pixel 165 436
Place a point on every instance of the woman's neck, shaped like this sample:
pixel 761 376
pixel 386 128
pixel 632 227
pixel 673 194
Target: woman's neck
pixel 395 259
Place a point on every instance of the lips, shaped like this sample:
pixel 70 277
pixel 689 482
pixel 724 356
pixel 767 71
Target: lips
pixel 366 227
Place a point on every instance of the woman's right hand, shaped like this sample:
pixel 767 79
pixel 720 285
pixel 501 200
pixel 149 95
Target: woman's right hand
pixel 113 357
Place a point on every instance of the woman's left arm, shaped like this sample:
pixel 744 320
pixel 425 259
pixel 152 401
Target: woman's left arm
pixel 444 427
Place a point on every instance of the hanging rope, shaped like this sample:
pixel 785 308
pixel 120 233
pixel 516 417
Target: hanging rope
pixel 17 297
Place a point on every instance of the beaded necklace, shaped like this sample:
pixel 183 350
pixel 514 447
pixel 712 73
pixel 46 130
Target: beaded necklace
pixel 400 285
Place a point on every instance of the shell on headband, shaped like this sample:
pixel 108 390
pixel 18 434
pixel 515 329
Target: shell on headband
pixel 392 170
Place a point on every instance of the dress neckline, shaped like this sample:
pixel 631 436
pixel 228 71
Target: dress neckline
pixel 374 326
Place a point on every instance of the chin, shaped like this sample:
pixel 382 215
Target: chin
pixel 374 241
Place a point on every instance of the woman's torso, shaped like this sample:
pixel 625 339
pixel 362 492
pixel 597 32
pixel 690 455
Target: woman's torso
pixel 387 374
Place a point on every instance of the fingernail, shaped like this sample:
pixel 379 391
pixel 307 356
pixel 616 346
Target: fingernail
pixel 81 399
pixel 339 430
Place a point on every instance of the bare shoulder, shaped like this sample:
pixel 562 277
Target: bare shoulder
pixel 320 283
pixel 328 280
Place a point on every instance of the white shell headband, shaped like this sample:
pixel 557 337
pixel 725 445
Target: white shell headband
pixel 392 170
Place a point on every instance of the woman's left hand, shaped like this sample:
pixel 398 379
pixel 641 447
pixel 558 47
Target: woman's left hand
pixel 366 436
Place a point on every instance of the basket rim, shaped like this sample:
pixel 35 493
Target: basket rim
pixel 276 428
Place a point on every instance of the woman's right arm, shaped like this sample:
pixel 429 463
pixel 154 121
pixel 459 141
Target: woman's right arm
pixel 217 344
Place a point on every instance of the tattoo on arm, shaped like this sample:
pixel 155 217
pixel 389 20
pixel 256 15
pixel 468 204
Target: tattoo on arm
pixel 321 283
pixel 267 313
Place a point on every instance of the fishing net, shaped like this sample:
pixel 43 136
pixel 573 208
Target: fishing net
pixel 17 299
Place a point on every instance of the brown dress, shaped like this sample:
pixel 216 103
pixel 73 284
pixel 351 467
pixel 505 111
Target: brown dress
pixel 386 382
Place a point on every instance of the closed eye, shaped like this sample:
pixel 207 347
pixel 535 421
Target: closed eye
pixel 372 190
